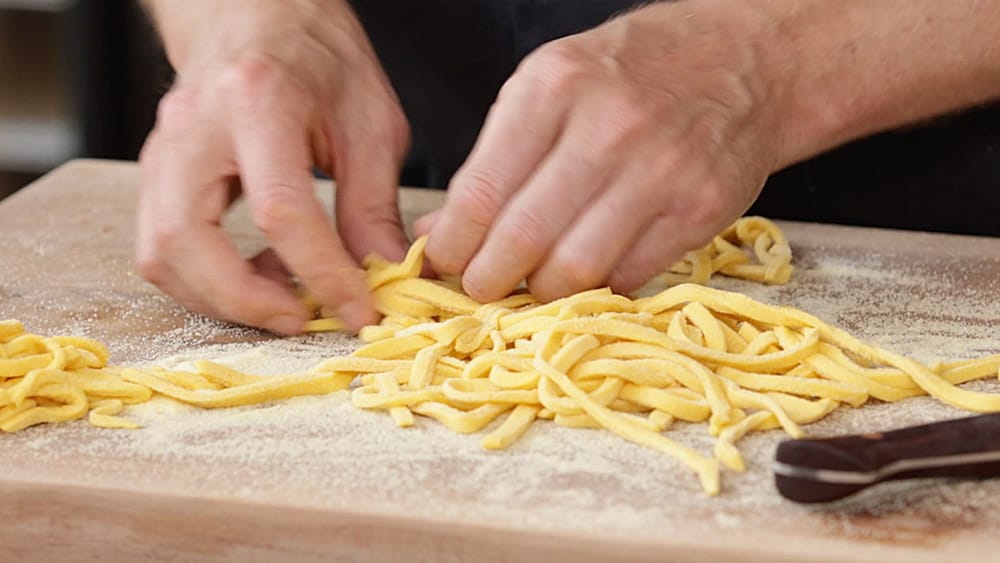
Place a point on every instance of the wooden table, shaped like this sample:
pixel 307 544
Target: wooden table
pixel 351 487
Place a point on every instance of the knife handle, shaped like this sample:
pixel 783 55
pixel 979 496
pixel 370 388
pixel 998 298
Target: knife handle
pixel 821 470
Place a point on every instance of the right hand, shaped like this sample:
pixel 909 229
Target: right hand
pixel 266 90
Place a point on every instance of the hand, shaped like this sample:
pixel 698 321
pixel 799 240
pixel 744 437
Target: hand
pixel 610 153
pixel 265 91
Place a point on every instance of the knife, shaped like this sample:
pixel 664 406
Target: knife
pixel 822 470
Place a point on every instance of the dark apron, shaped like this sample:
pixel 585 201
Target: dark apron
pixel 448 58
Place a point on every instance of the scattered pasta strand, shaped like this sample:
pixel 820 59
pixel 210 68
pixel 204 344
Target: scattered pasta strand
pixel 590 360
pixel 267 389
pixel 103 414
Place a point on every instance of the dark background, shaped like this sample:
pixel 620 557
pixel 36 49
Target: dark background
pixel 77 78
pixel 81 78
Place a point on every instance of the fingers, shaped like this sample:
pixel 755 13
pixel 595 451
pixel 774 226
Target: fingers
pixel 588 232
pixel 275 159
pixel 588 251
pixel 516 136
pixel 423 225
pixel 668 145
pixel 268 104
pixel 368 163
pixel 658 248
pixel 180 246
pixel 702 209
pixel 229 284
pixel 267 264
pixel 532 222
pixel 604 233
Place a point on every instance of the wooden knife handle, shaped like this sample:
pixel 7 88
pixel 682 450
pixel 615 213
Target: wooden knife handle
pixel 826 469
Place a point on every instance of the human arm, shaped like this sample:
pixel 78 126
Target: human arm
pixel 610 153
pixel 265 90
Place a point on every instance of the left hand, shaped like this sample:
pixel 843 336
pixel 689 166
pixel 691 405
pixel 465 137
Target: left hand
pixel 610 153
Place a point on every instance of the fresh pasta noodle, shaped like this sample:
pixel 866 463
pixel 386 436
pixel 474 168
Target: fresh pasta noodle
pixel 58 379
pixel 590 360
pixel 725 255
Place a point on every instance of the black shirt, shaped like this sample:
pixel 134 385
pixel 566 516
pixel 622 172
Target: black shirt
pixel 448 58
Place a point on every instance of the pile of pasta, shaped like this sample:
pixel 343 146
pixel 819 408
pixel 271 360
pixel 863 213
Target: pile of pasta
pixel 770 259
pixel 635 367
pixel 63 378
pixel 60 378
pixel 752 248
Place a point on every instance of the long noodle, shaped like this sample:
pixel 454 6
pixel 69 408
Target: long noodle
pixel 591 360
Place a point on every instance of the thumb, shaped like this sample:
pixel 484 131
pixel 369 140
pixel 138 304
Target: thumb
pixel 424 225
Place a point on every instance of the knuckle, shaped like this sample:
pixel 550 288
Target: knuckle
pixel 394 129
pixel 556 56
pixel 714 201
pixel 247 75
pixel 177 108
pixel 478 196
pixel 624 119
pixel 380 128
pixel 443 257
pixel 580 271
pixel 625 116
pixel 151 267
pixel 151 251
pixel 257 83
pixel 555 68
pixel 527 233
pixel 164 238
pixel 710 207
pixel 274 209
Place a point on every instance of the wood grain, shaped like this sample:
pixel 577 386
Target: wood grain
pixel 70 493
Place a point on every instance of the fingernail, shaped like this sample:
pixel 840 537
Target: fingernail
pixel 474 288
pixel 287 324
pixel 616 282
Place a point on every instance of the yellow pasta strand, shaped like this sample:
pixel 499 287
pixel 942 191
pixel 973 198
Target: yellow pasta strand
pixel 265 390
pixel 510 431
pixel 387 384
pixel 103 414
pixel 590 360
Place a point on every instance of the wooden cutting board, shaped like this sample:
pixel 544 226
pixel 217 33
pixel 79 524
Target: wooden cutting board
pixel 316 480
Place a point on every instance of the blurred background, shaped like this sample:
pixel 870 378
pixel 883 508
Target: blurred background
pixel 81 78
pixel 78 78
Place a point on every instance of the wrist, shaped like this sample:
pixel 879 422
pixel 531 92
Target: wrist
pixel 211 32
pixel 814 106
pixel 844 69
pixel 797 118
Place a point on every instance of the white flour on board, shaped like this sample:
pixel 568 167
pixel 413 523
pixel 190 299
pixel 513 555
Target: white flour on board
pixel 322 452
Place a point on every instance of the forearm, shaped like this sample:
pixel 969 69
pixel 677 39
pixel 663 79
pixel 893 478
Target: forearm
pixel 855 67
